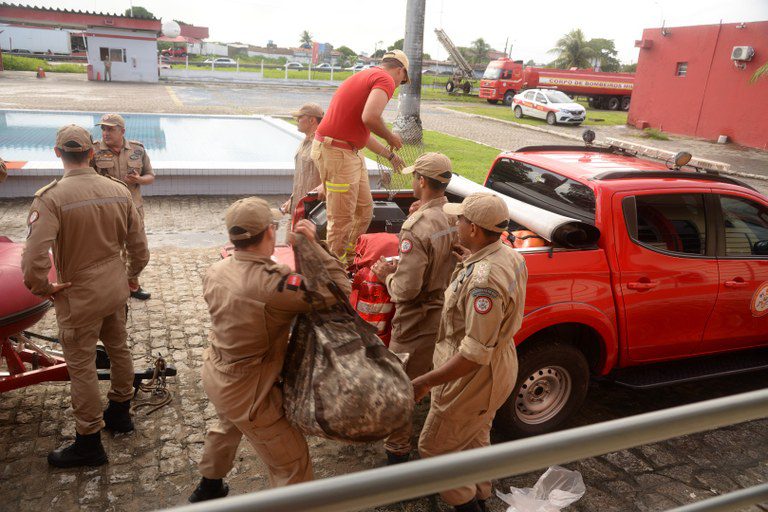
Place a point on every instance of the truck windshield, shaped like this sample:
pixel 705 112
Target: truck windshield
pixel 492 73
pixel 545 189
pixel 557 97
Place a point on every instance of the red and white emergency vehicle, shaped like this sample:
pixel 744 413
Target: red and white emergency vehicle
pixel 504 78
pixel 641 273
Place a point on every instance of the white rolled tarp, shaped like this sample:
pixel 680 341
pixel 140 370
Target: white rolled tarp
pixel 556 228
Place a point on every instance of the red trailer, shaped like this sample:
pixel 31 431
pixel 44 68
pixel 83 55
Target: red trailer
pixel 504 78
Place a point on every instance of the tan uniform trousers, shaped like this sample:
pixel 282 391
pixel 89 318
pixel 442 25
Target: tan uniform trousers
pixel 79 345
pixel 349 204
pixel 446 434
pixel 413 334
pixel 134 283
pixel 280 446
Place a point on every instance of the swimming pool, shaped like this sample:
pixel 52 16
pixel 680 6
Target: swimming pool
pixel 191 154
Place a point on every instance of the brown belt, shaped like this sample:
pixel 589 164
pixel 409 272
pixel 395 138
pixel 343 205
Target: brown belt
pixel 336 143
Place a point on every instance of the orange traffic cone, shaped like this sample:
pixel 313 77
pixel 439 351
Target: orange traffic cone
pixel 40 72
pixel 98 76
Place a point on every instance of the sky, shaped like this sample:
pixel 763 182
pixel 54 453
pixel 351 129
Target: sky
pixel 532 28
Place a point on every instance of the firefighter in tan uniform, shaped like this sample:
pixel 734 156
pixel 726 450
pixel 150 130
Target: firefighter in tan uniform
pixel 88 220
pixel 475 360
pixel 306 177
pixel 417 283
pixel 127 161
pixel 253 301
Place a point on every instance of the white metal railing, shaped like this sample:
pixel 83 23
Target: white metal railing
pixel 386 485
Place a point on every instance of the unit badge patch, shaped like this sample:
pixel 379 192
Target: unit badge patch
pixel 483 304
pixel 33 216
pixel 406 246
pixel 759 303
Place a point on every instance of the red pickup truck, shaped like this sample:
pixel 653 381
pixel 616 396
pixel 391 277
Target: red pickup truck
pixel 666 280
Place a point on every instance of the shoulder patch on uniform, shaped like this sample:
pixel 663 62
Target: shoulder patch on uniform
pixel 115 180
pixel 412 219
pixel 483 304
pixel 489 292
pixel 405 246
pixel 482 272
pixel 291 282
pixel 46 188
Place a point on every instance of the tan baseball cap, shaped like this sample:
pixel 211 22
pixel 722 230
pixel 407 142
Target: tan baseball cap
pixel 309 109
pixel 252 214
pixel 486 210
pixel 112 120
pixel 399 55
pixel 73 139
pixel 432 165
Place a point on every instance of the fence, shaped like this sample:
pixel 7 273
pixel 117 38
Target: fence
pixel 419 478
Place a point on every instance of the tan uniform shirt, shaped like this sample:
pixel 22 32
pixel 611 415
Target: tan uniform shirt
pixel 307 177
pixel 132 158
pixel 3 171
pixel 483 311
pixel 253 301
pixel 88 220
pixel 425 265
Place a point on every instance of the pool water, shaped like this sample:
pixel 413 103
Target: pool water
pixel 30 136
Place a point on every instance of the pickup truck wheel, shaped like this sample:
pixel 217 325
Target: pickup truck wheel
pixel 508 97
pixel 518 112
pixel 551 385
pixel 551 119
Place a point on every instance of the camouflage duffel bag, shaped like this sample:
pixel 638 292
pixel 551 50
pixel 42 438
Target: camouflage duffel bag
pixel 339 380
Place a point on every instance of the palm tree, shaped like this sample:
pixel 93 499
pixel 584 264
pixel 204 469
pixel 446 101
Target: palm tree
pixel 573 51
pixel 408 121
pixel 479 50
pixel 306 39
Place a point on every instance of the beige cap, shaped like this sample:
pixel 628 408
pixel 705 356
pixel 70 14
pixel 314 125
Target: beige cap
pixel 309 109
pixel 73 139
pixel 486 210
pixel 432 165
pixel 112 120
pixel 252 214
pixel 399 55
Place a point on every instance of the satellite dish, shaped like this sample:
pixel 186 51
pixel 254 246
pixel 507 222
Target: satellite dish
pixel 171 29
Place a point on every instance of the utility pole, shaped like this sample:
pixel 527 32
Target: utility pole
pixel 408 121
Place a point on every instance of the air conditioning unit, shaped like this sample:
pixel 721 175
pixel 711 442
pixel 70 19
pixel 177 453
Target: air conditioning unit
pixel 742 53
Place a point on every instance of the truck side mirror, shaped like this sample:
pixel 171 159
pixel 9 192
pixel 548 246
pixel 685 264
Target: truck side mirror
pixel 760 248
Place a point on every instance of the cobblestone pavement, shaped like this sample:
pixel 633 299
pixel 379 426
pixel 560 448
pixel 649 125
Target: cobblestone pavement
pixel 154 466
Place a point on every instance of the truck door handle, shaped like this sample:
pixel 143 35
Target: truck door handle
pixel 736 282
pixel 642 285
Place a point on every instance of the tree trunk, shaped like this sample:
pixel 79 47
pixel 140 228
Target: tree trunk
pixel 408 121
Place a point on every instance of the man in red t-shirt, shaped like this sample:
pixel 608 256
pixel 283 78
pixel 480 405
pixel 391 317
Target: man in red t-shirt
pixel 355 111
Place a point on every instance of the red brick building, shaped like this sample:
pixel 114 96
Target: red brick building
pixel 694 81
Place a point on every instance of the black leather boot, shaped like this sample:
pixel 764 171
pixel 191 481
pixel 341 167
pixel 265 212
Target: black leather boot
pixel 397 458
pixel 140 294
pixel 209 490
pixel 85 451
pixel 117 416
pixel 482 505
pixel 470 506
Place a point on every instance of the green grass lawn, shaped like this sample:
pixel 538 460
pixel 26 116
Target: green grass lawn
pixel 594 117
pixel 16 63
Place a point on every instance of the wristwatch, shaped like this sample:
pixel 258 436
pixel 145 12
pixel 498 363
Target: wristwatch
pixel 391 156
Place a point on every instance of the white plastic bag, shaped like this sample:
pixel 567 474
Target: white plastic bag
pixel 556 489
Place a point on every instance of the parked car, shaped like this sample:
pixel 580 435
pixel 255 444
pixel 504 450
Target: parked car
pixel 294 65
pixel 668 283
pixel 358 67
pixel 553 106
pixel 324 66
pixel 222 61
